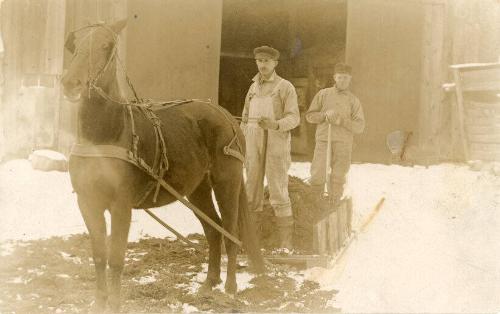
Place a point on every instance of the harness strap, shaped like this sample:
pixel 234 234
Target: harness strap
pixel 111 151
pixel 116 152
pixel 228 150
pixel 160 165
pixel 135 137
pixel 106 151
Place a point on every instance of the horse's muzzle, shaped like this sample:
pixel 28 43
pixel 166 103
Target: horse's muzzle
pixel 72 89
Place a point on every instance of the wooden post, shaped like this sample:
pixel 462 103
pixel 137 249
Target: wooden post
pixel 460 110
pixel 429 118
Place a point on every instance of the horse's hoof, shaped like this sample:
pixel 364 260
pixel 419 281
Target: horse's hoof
pixel 114 305
pixel 230 287
pixel 98 306
pixel 205 288
pixel 258 269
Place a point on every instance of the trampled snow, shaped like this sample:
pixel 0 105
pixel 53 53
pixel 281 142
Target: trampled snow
pixel 432 247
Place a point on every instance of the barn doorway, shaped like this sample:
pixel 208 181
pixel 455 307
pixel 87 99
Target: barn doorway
pixel 310 36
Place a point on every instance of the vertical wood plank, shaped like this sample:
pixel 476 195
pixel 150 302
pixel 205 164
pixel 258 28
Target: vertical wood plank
pixel 333 233
pixel 342 223
pixel 349 216
pixel 11 32
pixel 56 30
pixel 460 111
pixel 319 237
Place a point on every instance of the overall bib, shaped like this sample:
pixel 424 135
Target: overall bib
pixel 267 154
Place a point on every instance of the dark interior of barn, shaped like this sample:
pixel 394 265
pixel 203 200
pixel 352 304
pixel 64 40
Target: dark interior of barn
pixel 310 36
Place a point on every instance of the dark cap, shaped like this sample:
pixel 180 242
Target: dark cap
pixel 267 51
pixel 342 68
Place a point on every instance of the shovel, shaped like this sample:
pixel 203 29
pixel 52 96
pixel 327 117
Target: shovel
pixel 396 143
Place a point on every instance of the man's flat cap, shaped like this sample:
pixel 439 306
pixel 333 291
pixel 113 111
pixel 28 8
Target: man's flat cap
pixel 342 68
pixel 266 51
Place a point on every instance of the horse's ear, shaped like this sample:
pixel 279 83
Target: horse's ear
pixel 70 42
pixel 118 26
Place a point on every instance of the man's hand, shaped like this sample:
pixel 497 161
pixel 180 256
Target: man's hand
pixel 333 117
pixel 267 123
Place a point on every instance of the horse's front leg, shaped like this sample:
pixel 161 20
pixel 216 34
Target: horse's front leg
pixel 120 225
pixel 93 215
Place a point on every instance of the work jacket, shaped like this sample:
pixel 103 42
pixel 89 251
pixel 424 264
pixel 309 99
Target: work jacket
pixel 346 105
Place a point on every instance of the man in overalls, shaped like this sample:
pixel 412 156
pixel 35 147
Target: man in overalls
pixel 270 112
pixel 340 108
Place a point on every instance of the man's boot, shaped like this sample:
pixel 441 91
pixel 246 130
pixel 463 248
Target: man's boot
pixel 285 232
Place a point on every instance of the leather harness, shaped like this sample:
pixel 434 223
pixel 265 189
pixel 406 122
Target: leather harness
pixel 160 163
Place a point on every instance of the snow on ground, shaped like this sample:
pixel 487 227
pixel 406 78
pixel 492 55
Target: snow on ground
pixel 433 246
pixel 36 204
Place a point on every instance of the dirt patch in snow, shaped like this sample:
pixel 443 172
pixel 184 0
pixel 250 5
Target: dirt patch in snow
pixel 161 275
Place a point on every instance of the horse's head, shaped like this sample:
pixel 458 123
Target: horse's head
pixel 93 52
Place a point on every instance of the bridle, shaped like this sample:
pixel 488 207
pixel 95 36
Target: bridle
pixel 92 81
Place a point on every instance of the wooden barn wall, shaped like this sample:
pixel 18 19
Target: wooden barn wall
pixel 384 42
pixel 472 36
pixel 174 48
pixel 474 31
pixel 32 34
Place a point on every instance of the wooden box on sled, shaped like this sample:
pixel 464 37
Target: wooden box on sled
pixel 330 237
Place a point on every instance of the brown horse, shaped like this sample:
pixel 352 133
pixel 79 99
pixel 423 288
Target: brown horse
pixel 195 134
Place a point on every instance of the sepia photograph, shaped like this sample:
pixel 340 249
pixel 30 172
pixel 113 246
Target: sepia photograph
pixel 250 156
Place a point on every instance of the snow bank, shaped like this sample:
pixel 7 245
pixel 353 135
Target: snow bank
pixel 433 247
pixel 48 160
pixel 48 154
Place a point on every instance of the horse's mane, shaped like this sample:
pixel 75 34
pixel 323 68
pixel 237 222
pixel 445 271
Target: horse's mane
pixel 101 120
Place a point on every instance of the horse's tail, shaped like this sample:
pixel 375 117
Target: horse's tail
pixel 249 234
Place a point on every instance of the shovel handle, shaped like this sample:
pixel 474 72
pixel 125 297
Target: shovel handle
pixel 328 168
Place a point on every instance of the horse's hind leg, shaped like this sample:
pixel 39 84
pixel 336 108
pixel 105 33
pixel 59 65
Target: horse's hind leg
pixel 226 184
pixel 93 215
pixel 202 198
pixel 120 225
